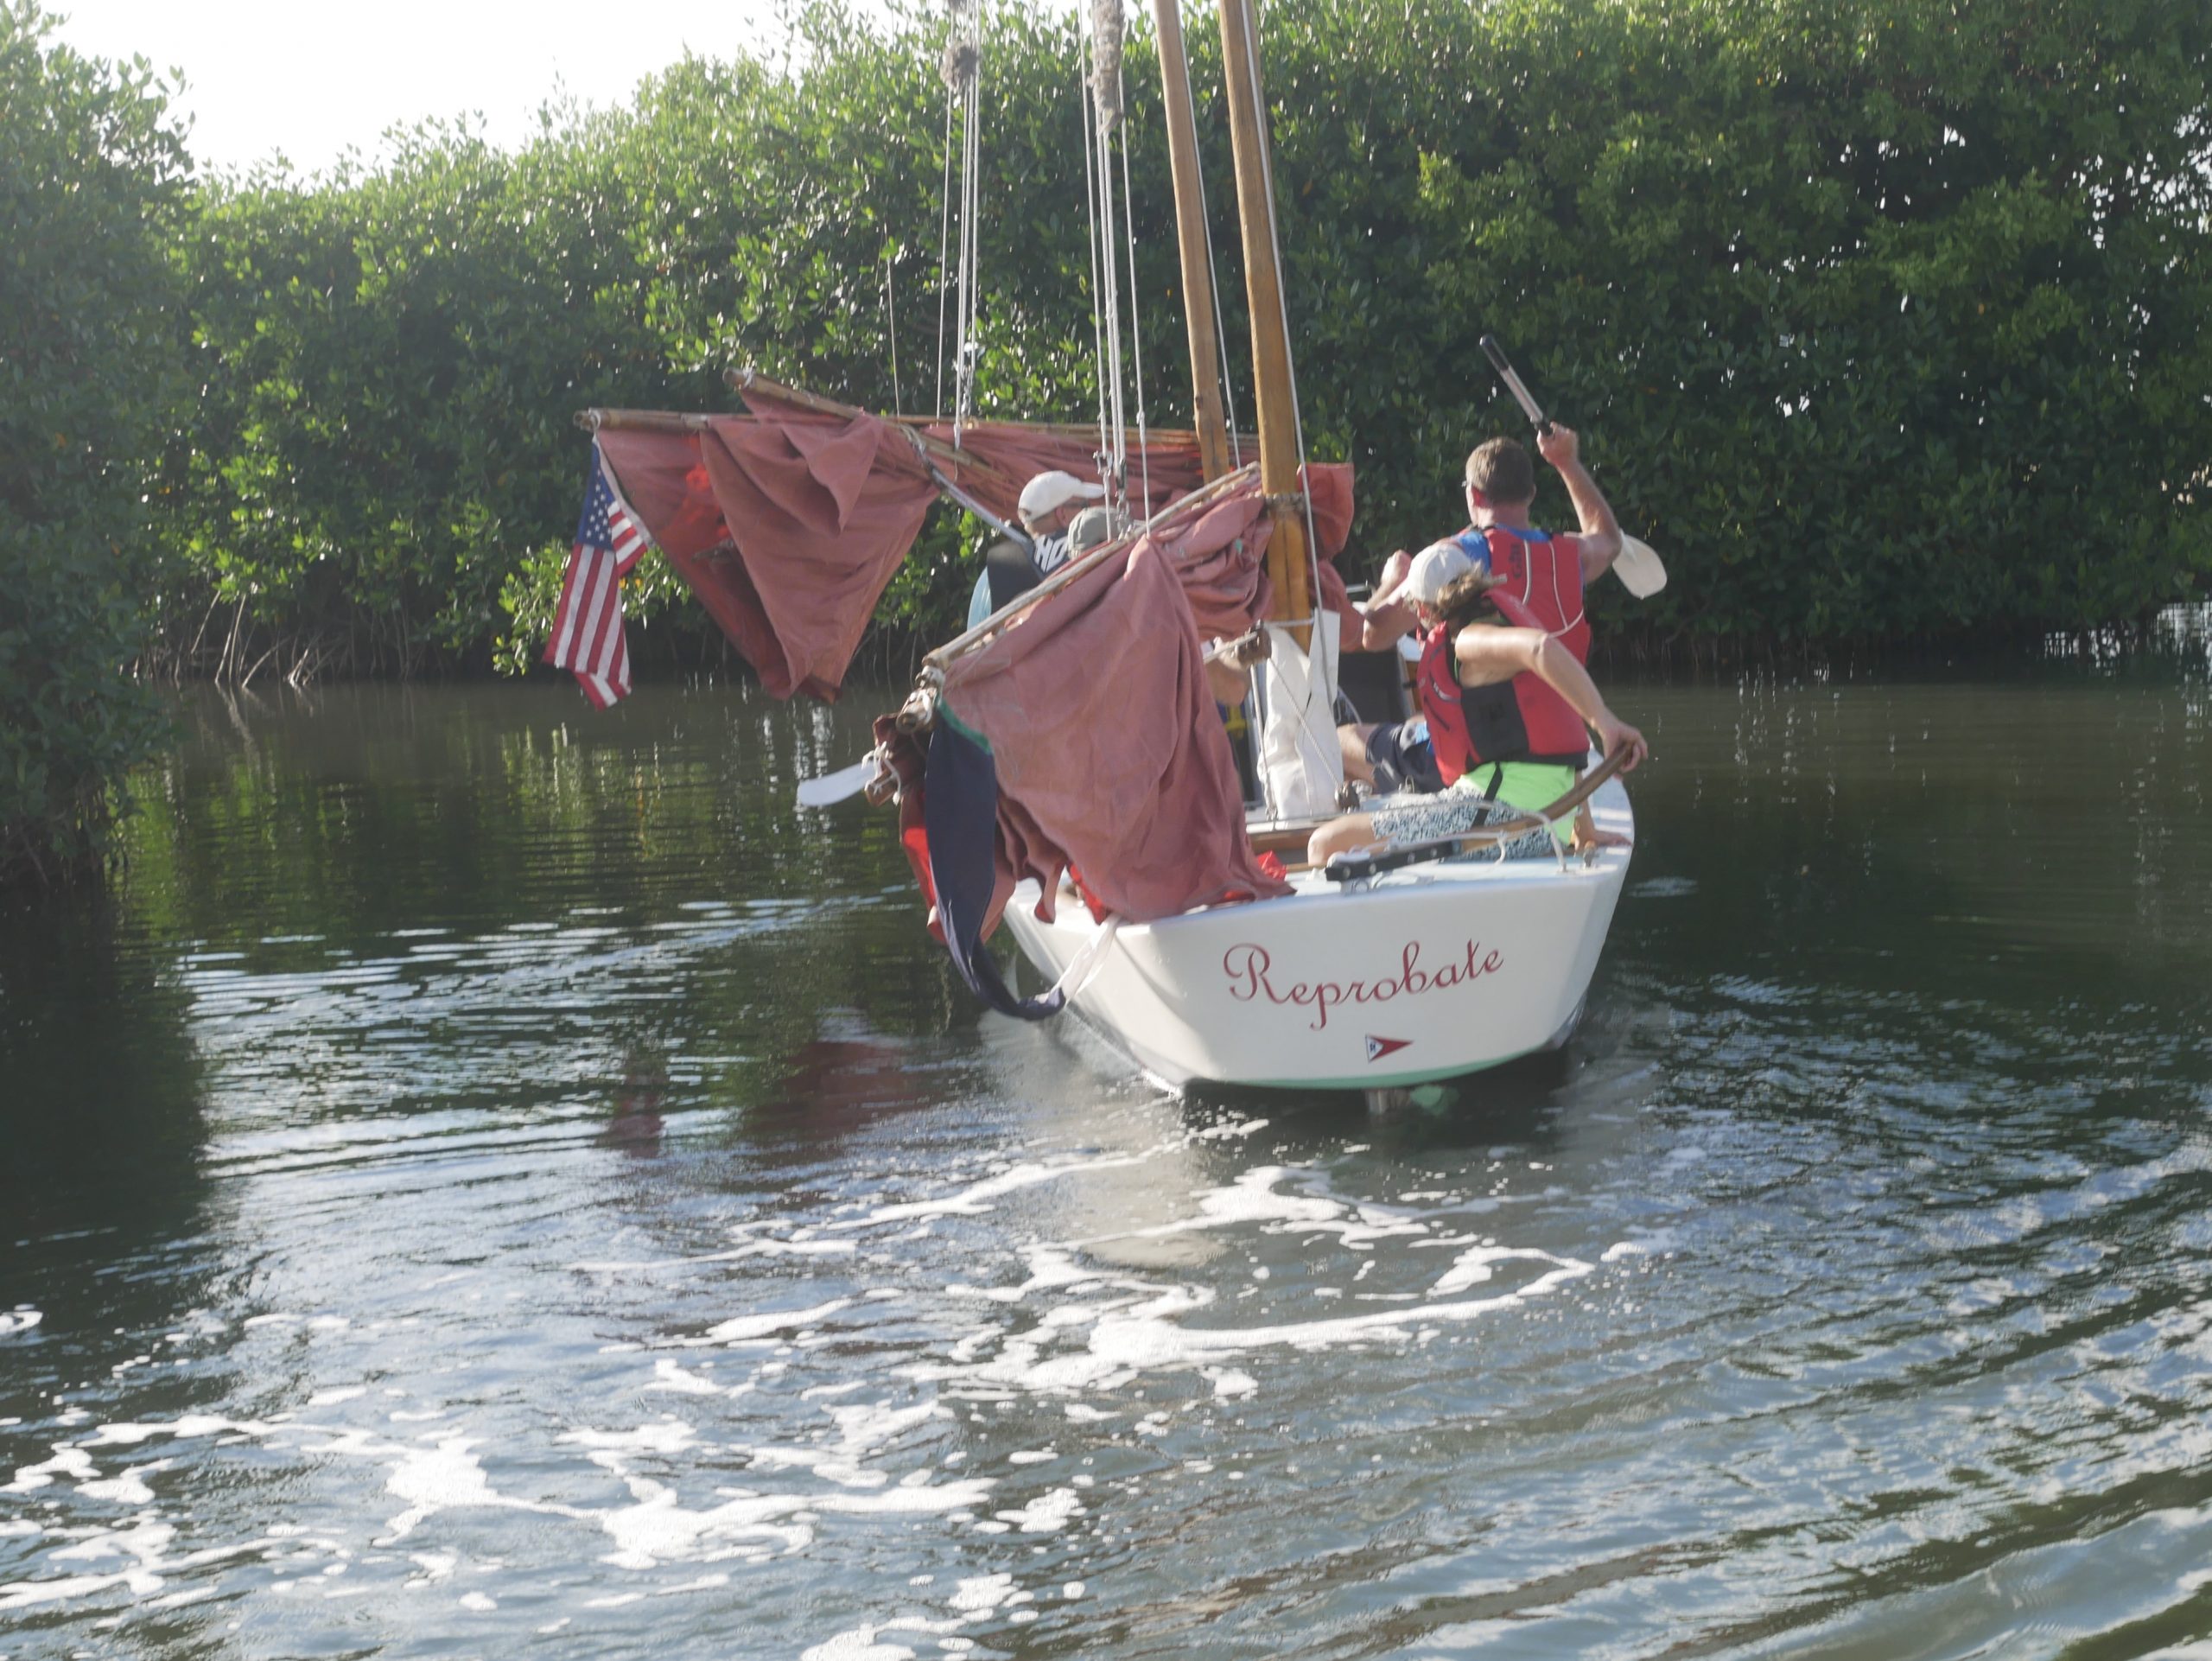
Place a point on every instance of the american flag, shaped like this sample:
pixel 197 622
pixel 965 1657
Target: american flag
pixel 588 626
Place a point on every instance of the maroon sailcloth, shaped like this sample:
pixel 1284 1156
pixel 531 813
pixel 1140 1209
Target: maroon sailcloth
pixel 789 523
pixel 788 531
pixel 1110 752
pixel 1165 468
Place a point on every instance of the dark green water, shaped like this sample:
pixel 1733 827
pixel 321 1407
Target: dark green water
pixel 495 1177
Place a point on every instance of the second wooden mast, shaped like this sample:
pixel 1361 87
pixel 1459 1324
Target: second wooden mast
pixel 1271 380
pixel 1287 555
pixel 1216 455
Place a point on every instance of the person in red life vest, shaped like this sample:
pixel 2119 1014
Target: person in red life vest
pixel 1507 705
pixel 1546 572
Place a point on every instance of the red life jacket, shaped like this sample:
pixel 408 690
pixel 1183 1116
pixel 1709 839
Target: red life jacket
pixel 1543 572
pixel 1517 720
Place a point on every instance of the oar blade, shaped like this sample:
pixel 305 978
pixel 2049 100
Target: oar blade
pixel 1639 568
pixel 836 786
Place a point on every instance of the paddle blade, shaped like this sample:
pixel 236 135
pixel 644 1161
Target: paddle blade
pixel 836 786
pixel 1639 568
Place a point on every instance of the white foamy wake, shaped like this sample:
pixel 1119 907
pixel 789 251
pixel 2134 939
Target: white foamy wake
pixel 648 1526
pixel 799 1438
pixel 1096 1329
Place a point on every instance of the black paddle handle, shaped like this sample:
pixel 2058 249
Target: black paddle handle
pixel 1521 395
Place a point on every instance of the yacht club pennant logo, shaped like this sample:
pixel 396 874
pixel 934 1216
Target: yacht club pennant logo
pixel 1379 1047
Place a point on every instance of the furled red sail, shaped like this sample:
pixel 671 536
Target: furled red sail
pixel 788 522
pixel 1084 736
pixel 1110 749
pixel 788 531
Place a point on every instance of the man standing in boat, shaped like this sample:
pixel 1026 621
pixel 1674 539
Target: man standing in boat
pixel 1546 573
pixel 1049 504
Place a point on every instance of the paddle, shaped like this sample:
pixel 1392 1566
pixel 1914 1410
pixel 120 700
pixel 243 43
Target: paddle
pixel 1637 564
pixel 836 786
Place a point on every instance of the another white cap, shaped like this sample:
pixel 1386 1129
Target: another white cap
pixel 1089 528
pixel 1436 568
pixel 1050 490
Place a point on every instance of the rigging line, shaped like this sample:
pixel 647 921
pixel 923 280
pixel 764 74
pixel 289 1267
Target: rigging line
pixel 1290 360
pixel 963 71
pixel 1108 239
pixel 1102 92
pixel 968 186
pixel 944 247
pixel 891 305
pixel 1090 229
pixel 1136 307
pixel 965 383
pixel 1098 148
pixel 1096 136
pixel 974 201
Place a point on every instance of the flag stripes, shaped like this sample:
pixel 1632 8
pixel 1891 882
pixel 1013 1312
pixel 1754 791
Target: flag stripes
pixel 587 637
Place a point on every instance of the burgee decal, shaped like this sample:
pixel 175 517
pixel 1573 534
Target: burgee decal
pixel 1379 1047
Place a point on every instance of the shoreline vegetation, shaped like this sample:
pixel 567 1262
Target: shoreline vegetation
pixel 1886 321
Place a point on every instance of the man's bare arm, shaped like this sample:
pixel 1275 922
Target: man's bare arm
pixel 1601 531
pixel 1385 617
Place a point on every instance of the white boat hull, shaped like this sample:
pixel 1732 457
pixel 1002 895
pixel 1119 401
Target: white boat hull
pixel 1427 973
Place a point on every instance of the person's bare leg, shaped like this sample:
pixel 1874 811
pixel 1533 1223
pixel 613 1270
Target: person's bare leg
pixel 1351 743
pixel 1340 836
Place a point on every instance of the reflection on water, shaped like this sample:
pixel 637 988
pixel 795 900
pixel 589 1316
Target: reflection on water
pixel 496 1174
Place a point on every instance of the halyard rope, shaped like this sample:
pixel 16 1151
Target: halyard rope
pixel 962 69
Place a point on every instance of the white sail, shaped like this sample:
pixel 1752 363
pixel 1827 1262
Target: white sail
pixel 1300 766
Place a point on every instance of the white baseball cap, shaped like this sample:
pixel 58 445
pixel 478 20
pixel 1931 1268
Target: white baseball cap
pixel 1050 490
pixel 1436 568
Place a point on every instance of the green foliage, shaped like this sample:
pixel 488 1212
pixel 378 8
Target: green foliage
pixel 1884 319
pixel 91 198
pixel 389 363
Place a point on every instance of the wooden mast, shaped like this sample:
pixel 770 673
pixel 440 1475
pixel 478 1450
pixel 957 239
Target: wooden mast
pixel 1286 554
pixel 1192 237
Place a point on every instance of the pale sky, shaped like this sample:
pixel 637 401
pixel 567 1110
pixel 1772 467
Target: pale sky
pixel 263 76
